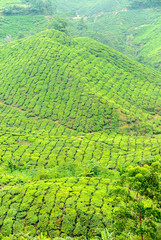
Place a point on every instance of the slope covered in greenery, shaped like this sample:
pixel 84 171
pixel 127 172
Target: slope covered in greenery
pixel 77 207
pixel 79 83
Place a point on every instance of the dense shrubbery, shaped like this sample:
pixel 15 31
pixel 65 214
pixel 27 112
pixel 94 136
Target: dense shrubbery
pixel 64 152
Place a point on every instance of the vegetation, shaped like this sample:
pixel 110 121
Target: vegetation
pixel 103 102
pixel 65 124
pixel 80 123
pixel 132 31
pixel 144 3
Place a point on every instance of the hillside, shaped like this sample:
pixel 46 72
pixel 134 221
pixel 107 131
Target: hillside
pixel 75 116
pixel 84 81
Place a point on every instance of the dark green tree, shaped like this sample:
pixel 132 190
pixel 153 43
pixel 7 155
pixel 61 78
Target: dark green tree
pixel 42 6
pixel 59 23
pixel 138 209
pixel 144 3
pixel 81 25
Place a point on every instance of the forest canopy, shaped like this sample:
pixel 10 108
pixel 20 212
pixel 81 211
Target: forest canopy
pixel 46 7
pixel 144 3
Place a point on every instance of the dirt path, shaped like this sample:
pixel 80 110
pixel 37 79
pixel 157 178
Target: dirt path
pixel 103 13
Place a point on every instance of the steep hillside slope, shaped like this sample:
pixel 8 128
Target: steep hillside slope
pixel 80 83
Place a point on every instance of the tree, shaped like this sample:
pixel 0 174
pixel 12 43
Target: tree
pixel 138 209
pixel 42 6
pixel 59 23
pixel 81 25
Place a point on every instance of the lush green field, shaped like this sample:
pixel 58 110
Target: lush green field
pixel 64 200
pixel 52 151
pixel 78 207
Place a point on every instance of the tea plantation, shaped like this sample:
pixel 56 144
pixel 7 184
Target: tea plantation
pixel 79 122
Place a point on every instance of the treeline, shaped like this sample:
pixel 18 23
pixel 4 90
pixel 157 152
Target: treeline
pixel 46 7
pixel 144 3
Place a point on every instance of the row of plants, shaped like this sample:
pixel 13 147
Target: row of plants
pixel 55 151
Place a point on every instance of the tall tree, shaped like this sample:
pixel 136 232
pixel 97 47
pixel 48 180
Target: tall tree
pixel 138 208
pixel 59 23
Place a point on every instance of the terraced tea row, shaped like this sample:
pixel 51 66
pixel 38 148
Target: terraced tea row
pixel 72 207
pixel 77 207
pixel 33 143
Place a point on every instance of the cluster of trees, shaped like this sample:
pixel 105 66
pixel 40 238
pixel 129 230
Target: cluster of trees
pixel 45 7
pixel 140 191
pixel 59 23
pixel 144 3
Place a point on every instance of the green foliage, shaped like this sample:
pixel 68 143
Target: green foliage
pixel 134 32
pixel 26 7
pixel 59 23
pixel 106 235
pixel 137 205
pixel 79 126
pixel 144 3
pixel 57 204
pixel 42 6
pixel 102 98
